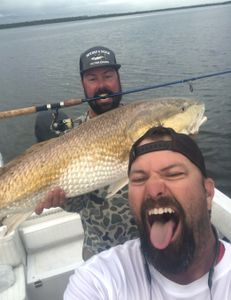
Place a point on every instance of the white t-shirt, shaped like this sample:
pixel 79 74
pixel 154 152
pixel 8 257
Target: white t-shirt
pixel 119 273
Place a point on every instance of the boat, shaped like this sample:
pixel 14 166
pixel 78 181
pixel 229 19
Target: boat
pixel 41 254
pixel 44 250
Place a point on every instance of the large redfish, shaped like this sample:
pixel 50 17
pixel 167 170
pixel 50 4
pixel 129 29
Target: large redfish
pixel 91 156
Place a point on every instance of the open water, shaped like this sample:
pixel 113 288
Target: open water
pixel 39 64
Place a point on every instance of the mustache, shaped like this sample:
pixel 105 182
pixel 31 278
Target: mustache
pixel 101 91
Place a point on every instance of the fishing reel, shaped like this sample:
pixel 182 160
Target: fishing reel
pixel 59 125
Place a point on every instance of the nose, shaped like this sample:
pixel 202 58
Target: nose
pixel 155 187
pixel 101 83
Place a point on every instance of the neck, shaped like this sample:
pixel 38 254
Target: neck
pixel 91 113
pixel 204 261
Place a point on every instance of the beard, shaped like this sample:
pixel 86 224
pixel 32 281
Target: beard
pixel 100 108
pixel 178 255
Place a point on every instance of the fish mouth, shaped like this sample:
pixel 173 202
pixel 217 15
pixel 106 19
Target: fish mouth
pixel 200 119
pixel 194 127
pixel 203 120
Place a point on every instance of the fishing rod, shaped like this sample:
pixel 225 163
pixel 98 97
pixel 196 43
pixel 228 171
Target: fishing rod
pixel 167 84
pixel 72 102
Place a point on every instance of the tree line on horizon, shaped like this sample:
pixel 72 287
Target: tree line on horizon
pixel 86 17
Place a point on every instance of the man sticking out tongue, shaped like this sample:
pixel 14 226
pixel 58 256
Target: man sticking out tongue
pixel 170 196
pixel 178 255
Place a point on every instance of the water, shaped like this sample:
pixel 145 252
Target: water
pixel 39 64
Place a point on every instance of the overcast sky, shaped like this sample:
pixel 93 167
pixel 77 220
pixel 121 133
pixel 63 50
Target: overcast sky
pixel 19 10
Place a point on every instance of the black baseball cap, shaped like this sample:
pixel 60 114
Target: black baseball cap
pixel 97 56
pixel 179 142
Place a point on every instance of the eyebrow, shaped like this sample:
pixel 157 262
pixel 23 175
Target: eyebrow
pixel 136 172
pixel 171 166
pixel 174 165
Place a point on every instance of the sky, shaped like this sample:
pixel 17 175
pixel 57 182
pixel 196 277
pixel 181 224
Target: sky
pixel 25 10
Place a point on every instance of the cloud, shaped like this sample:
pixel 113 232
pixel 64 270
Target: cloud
pixel 32 8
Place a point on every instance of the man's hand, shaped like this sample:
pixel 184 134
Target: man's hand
pixel 54 198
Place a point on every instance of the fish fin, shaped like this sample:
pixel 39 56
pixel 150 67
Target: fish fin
pixel 116 186
pixel 12 221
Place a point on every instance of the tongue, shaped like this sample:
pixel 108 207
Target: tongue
pixel 161 234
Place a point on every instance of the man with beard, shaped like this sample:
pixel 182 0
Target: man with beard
pixel 106 222
pixel 178 255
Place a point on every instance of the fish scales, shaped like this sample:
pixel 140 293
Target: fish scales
pixel 93 155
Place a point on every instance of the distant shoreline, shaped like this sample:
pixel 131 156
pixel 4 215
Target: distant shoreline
pixel 86 17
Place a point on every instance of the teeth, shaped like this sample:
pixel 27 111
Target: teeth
pixel 103 95
pixel 160 211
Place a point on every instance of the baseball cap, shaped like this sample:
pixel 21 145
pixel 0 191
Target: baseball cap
pixel 97 56
pixel 179 142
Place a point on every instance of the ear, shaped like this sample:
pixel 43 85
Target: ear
pixel 209 187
